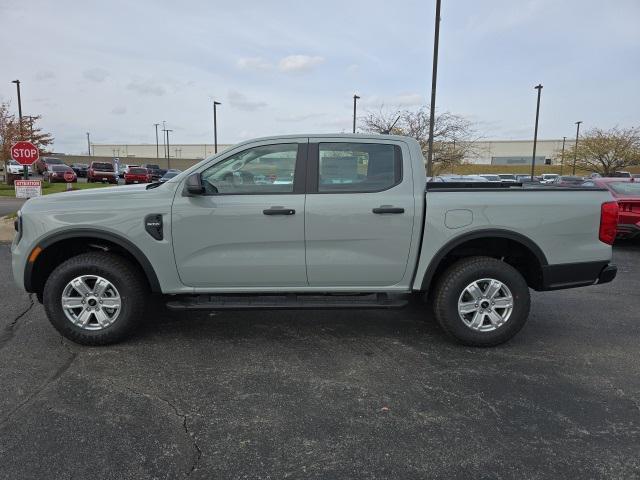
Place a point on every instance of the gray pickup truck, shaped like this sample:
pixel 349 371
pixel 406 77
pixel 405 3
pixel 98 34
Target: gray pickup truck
pixel 320 221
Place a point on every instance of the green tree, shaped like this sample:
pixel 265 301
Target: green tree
pixel 606 151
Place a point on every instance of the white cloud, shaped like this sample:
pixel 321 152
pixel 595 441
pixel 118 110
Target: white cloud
pixel 95 74
pixel 119 110
pixel 402 100
pixel 44 75
pixel 299 63
pixel 240 101
pixel 253 63
pixel 146 87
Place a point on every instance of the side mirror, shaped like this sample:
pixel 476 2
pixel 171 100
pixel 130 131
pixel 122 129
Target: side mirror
pixel 193 185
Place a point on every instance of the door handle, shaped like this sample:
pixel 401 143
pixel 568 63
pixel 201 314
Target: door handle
pixel 279 211
pixel 388 209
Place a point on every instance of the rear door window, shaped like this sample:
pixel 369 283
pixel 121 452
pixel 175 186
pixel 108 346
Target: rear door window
pixel 358 167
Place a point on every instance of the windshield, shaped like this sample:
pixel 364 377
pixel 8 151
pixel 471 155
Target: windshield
pixel 625 188
pixel 138 171
pixel 60 168
pixel 104 167
pixel 170 174
pixel 507 176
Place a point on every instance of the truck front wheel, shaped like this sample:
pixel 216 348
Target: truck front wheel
pixel 481 301
pixel 95 298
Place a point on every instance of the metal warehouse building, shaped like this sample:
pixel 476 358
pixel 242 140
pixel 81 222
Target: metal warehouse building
pixel 486 152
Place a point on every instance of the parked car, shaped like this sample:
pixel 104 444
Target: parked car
pixel 567 181
pixel 16 168
pixel 101 172
pixel 491 177
pixel 125 168
pixel 526 178
pixel 80 169
pixel 137 175
pixel 352 230
pixel 154 170
pixel 460 178
pixel 548 177
pixel 43 163
pixel 622 174
pixel 627 194
pixel 170 174
pixel 507 177
pixel 55 174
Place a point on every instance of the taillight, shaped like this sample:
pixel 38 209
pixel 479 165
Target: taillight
pixel 608 222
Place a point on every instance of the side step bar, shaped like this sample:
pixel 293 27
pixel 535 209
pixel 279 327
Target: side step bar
pixel 291 301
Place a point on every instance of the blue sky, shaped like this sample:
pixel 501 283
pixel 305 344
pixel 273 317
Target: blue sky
pixel 114 68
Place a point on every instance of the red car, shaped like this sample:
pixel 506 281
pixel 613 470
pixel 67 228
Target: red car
pixel 137 175
pixel 55 173
pixel 101 172
pixel 627 192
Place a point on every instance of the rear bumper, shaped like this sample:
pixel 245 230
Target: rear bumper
pixel 628 230
pixel 571 275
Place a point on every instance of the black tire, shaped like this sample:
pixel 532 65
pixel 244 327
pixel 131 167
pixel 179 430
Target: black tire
pixel 452 284
pixel 128 281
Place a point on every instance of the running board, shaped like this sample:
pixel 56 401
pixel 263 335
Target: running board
pixel 288 301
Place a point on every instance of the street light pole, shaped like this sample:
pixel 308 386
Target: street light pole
pixel 25 170
pixel 355 99
pixel 575 150
pixel 535 132
pixel 157 145
pixel 215 127
pixel 564 139
pixel 88 144
pixel 164 143
pixel 434 77
pixel 168 154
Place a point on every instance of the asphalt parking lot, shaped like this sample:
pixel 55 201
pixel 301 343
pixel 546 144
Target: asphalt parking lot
pixel 327 394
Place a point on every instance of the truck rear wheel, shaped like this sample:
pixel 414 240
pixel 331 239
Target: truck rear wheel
pixel 95 298
pixel 482 301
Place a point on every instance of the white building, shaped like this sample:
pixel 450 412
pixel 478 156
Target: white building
pixel 189 151
pixel 488 152
pixel 517 152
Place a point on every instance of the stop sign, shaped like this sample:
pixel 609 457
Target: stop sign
pixel 25 153
pixel 69 176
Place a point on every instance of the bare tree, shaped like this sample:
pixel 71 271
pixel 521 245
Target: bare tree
pixel 454 136
pixel 606 151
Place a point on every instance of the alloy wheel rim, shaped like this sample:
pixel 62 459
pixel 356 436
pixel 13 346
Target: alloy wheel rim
pixel 91 302
pixel 485 305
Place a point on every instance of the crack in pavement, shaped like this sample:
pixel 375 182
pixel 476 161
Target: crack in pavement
pixel 52 378
pixel 178 413
pixel 9 331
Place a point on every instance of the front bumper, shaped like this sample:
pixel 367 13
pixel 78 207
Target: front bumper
pixel 572 275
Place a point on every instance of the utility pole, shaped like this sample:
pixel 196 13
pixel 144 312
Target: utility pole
pixel 564 139
pixel 535 133
pixel 164 142
pixel 575 150
pixel 157 145
pixel 168 154
pixel 25 169
pixel 215 127
pixel 88 144
pixel 355 99
pixel 434 78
